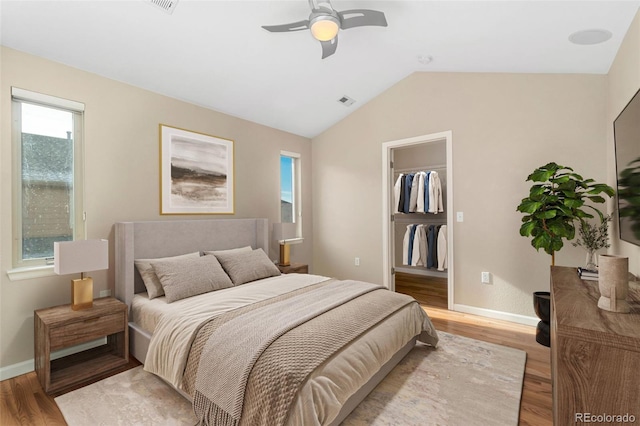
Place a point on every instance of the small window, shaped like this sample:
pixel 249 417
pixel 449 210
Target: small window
pixel 47 138
pixel 290 190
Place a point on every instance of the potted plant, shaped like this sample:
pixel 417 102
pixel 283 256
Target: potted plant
pixel 593 237
pixel 556 201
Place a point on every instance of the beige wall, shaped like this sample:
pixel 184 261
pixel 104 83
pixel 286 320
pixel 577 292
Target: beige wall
pixel 122 175
pixel 624 82
pixel 504 126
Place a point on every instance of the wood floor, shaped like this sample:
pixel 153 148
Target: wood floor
pixel 23 402
pixel 536 405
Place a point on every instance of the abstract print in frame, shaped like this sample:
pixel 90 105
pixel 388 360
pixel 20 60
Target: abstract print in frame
pixel 196 173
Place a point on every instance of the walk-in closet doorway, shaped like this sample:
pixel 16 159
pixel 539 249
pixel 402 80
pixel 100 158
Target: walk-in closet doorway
pixel 411 157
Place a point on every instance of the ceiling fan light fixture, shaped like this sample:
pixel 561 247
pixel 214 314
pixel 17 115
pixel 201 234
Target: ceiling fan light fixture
pixel 324 27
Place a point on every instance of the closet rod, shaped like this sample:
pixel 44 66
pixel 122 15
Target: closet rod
pixel 417 169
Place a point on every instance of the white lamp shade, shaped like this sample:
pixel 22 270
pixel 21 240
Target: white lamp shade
pixel 73 257
pixel 284 231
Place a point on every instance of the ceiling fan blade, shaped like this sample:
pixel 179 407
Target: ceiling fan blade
pixel 361 17
pixel 329 47
pixel 285 28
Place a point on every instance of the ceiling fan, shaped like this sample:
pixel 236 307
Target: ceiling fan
pixel 325 22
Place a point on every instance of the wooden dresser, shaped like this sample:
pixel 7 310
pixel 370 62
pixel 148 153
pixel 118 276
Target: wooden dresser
pixel 595 354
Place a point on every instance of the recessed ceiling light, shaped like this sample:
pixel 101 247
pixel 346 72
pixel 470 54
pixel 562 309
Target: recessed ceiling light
pixel 587 37
pixel 424 59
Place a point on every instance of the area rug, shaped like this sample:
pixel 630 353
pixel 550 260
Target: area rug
pixel 462 382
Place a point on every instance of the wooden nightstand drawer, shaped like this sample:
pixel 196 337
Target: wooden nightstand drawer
pixel 84 331
pixel 294 268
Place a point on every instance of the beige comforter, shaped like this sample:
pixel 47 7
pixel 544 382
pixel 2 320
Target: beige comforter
pixel 328 386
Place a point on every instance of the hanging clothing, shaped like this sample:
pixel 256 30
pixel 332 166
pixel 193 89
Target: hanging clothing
pixel 432 256
pixel 427 182
pixel 408 244
pixel 435 194
pixel 425 245
pixel 407 192
pixel 415 187
pixel 412 235
pixel 442 248
pixel 396 193
pixel 400 200
pixel 418 192
pixel 420 252
pixel 420 201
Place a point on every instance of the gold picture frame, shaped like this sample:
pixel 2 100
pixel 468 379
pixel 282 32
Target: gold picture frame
pixel 196 173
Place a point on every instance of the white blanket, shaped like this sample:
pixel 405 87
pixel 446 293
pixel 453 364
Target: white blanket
pixel 327 389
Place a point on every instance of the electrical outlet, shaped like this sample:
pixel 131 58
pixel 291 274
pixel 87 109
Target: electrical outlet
pixel 485 277
pixel 460 216
pixel 356 261
pixel 105 293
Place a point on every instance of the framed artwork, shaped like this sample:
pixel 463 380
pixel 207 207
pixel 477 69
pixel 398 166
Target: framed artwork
pixel 196 173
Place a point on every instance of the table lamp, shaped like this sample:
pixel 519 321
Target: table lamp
pixel 283 232
pixel 73 257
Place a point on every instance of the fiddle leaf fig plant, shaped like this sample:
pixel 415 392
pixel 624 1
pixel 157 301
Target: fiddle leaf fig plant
pixel 556 201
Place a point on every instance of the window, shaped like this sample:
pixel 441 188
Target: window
pixel 290 190
pixel 47 138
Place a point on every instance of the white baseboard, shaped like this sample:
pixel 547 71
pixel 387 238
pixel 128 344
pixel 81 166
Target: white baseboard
pixel 489 313
pixel 28 366
pixel 16 369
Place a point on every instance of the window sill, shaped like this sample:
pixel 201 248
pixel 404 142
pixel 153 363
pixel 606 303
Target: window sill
pixel 30 272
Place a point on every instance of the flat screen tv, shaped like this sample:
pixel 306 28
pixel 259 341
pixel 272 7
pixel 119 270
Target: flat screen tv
pixel 626 130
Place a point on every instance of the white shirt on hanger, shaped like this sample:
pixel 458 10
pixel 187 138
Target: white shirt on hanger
pixel 435 193
pixel 442 248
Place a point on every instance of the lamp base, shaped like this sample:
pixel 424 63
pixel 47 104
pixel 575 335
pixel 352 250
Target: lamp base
pixel 81 293
pixel 284 255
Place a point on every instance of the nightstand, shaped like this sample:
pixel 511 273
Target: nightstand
pixel 60 327
pixel 294 268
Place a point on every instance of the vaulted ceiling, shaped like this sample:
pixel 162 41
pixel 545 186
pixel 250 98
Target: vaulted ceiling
pixel 215 53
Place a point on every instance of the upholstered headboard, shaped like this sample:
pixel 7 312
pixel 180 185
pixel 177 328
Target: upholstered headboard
pixel 148 240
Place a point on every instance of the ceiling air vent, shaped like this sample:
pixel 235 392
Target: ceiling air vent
pixel 346 101
pixel 166 5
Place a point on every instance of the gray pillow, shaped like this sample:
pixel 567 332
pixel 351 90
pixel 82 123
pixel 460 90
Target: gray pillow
pixel 244 267
pixel 230 251
pixel 182 278
pixel 151 282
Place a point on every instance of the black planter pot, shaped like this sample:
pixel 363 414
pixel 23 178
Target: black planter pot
pixel 542 307
pixel 542 334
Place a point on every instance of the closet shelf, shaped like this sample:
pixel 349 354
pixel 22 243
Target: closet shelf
pixel 421 217
pixel 420 270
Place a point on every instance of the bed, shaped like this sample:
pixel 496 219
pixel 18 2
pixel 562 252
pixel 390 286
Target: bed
pixel 268 348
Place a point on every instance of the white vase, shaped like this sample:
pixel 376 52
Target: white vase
pixel 613 282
